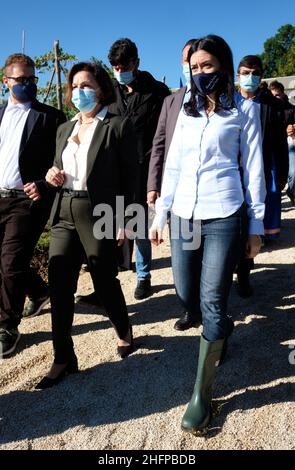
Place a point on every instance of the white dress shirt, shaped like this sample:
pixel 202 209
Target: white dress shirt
pixel 202 178
pixel 74 156
pixel 11 131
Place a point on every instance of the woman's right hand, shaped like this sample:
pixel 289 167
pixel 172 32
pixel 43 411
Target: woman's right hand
pixel 156 235
pixel 55 176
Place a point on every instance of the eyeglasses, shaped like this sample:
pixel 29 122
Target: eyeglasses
pixel 23 80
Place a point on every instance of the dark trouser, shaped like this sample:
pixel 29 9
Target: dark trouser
pixel 244 267
pixel 36 287
pixel 203 276
pixel 21 224
pixel 72 238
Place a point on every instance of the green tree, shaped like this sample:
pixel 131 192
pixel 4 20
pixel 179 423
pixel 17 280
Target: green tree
pixel 95 60
pixel 278 56
pixel 45 64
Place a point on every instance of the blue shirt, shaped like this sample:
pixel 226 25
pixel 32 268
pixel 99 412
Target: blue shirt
pixel 202 178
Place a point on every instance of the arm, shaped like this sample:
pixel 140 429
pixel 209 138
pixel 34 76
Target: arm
pixel 253 176
pixel 128 161
pixel 170 181
pixel 157 158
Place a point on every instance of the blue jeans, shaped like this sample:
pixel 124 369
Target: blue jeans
pixel 291 176
pixel 143 253
pixel 203 276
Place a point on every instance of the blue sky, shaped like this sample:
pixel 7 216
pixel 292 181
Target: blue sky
pixel 158 27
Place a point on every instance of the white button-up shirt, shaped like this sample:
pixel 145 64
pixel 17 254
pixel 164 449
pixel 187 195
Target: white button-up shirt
pixel 74 156
pixel 11 131
pixel 202 178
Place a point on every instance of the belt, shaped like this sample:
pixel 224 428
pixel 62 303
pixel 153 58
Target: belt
pixel 73 193
pixel 12 193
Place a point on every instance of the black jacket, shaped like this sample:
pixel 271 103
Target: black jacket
pixel 274 137
pixel 37 147
pixel 143 108
pixel 111 163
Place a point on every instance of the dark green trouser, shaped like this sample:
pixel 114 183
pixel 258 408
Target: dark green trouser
pixel 71 238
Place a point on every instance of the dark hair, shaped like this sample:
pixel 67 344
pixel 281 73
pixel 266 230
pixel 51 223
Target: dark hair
pixel 106 94
pixel 275 85
pixel 216 46
pixel 18 58
pixel 189 42
pixel 251 62
pixel 122 52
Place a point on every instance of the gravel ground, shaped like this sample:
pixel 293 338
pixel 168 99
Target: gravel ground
pixel 138 402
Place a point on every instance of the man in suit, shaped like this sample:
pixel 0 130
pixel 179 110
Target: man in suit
pixel 164 133
pixel 27 148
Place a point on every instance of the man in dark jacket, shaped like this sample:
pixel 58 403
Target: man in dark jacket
pixel 275 154
pixel 278 90
pixel 140 97
pixel 27 148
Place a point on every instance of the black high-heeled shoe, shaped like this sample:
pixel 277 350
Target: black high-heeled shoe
pixel 124 351
pixel 70 368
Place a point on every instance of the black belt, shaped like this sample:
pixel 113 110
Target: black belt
pixel 12 193
pixel 73 193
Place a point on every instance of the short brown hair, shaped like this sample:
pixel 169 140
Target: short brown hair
pixel 106 94
pixel 251 62
pixel 18 58
pixel 275 85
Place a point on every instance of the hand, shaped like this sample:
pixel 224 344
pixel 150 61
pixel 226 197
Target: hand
pixel 31 190
pixel 151 198
pixel 156 236
pixel 123 235
pixel 253 246
pixel 55 176
pixel 291 130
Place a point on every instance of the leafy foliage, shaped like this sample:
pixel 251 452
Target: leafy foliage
pixel 278 57
pixel 46 63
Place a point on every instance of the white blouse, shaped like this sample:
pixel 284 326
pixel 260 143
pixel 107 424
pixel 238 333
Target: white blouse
pixel 74 156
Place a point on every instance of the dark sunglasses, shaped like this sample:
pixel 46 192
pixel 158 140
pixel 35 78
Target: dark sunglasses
pixel 23 80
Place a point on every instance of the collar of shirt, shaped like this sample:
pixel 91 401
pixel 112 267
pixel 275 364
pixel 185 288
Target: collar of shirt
pixel 99 116
pixel 23 106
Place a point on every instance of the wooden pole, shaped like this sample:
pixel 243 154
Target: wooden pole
pixel 57 71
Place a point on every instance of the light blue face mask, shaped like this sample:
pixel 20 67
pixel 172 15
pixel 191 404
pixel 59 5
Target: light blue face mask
pixel 186 72
pixel 124 78
pixel 84 100
pixel 249 82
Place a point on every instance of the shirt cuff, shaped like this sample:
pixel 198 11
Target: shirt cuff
pixel 256 227
pixel 160 220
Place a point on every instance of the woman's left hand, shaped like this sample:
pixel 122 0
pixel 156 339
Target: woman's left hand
pixel 31 191
pixel 253 246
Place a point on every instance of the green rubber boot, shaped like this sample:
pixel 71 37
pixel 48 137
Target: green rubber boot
pixel 198 413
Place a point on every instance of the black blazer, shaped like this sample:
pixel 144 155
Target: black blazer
pixel 111 162
pixel 37 147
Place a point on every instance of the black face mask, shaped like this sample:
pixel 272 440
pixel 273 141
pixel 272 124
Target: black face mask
pixel 207 83
pixel 25 92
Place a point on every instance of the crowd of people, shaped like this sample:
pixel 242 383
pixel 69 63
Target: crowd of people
pixel 212 159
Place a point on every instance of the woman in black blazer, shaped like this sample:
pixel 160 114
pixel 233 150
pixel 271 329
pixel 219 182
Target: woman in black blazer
pixel 95 163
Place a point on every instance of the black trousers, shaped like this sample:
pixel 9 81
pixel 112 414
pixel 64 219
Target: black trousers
pixel 21 224
pixel 71 238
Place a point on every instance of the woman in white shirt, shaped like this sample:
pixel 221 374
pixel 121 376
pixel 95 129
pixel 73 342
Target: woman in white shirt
pixel 202 188
pixel 95 163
